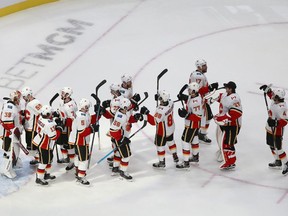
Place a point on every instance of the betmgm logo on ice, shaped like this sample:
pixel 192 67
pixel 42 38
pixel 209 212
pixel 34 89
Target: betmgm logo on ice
pixel 33 64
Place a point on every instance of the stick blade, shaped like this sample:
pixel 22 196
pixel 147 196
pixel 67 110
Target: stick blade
pixel 162 73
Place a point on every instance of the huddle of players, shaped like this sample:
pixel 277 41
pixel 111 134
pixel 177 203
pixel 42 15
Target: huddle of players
pixel 71 127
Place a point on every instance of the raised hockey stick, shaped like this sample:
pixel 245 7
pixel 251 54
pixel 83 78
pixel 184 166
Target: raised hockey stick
pixel 103 158
pixel 145 97
pixel 181 91
pixel 53 98
pixel 158 79
pixel 95 96
pixel 55 145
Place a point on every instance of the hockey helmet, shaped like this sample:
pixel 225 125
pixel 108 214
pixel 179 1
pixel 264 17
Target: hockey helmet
pixel 279 92
pixel 193 86
pixel 84 103
pixel 26 91
pixel 200 63
pixel 125 103
pixel 46 110
pixel 163 96
pixel 15 96
pixel 115 87
pixel 66 92
pixel 126 78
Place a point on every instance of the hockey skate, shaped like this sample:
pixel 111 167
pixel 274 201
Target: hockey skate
pixel 70 166
pixel 285 169
pixel 41 181
pixel 204 139
pixel 159 165
pixel 125 175
pixel 83 181
pixel 115 171
pixel 48 176
pixel 34 162
pixel 184 165
pixel 175 158
pixel 277 164
pixel 194 158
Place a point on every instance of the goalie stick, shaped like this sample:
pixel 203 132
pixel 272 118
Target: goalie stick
pixel 19 143
pixel 158 79
pixel 95 96
pixel 103 158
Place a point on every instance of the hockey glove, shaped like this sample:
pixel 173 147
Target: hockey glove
pixel 156 96
pixel 94 127
pixel 265 88
pixel 144 110
pixel 125 141
pixel 59 124
pixel 106 103
pixel 138 117
pixel 136 97
pixel 56 114
pixel 101 109
pixel 136 107
pixel 182 112
pixel 272 122
pixel 182 97
pixel 213 86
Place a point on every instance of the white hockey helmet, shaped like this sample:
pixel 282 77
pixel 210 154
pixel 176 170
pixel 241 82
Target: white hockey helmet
pixel 193 86
pixel 126 78
pixel 279 92
pixel 66 91
pixel 26 91
pixel 125 103
pixel 46 110
pixel 84 103
pixel 163 96
pixel 200 63
pixel 115 87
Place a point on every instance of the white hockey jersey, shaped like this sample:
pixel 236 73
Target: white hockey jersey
pixel 32 112
pixel 46 133
pixel 278 112
pixel 127 93
pixel 68 110
pixel 195 111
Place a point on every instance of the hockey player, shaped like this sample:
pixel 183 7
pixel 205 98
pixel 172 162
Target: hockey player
pixel 117 133
pixel 165 127
pixel 83 125
pixel 192 115
pixel 275 127
pixel 48 132
pixel 113 106
pixel 11 123
pixel 126 86
pixel 67 110
pixel 32 113
pixel 229 121
pixel 200 77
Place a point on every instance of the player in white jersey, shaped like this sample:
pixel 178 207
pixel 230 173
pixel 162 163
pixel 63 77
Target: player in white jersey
pixel 204 87
pixel 11 122
pixel 192 115
pixel 32 113
pixel 229 123
pixel 47 132
pixel 165 127
pixel 117 133
pixel 113 106
pixel 67 110
pixel 275 127
pixel 83 125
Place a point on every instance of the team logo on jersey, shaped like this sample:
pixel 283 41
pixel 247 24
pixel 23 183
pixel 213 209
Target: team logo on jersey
pixel 119 116
pixel 9 107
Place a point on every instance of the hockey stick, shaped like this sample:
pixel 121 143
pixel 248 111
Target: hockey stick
pixel 158 78
pixel 19 143
pixel 145 97
pixel 181 91
pixel 53 98
pixel 55 144
pixel 95 96
pixel 103 158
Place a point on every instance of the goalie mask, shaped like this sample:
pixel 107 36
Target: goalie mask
pixel 15 97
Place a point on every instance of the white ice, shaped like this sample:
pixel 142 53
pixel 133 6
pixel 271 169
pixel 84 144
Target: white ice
pixel 244 41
